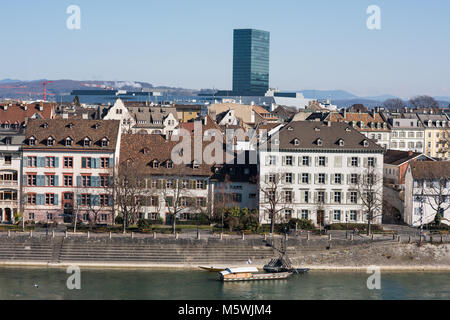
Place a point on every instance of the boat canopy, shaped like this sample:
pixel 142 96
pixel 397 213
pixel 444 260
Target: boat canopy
pixel 239 270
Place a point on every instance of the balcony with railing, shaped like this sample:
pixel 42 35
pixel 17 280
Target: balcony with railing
pixel 9 183
pixel 9 203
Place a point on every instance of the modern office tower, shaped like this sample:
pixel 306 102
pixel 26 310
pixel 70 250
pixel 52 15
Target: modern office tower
pixel 251 62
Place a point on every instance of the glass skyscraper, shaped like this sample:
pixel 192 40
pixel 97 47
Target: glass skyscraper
pixel 250 62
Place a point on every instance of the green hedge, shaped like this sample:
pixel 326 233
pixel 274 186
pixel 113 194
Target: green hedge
pixel 352 226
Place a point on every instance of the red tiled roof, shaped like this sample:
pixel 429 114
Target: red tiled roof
pixel 16 113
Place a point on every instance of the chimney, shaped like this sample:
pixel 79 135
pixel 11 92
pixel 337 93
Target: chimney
pixel 65 116
pixel 5 107
pixel 84 116
pixel 25 107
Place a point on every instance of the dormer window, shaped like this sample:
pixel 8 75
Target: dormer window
pixel 296 142
pixel 69 141
pixel 290 129
pixel 105 142
pixel 50 141
pixel 319 142
pixel 155 164
pixel 146 151
pixel 348 129
pixel 169 164
pixel 8 140
pixel 365 143
pixel 86 142
pixel 70 126
pixel 195 164
pixel 32 141
pixel 96 126
pixel 45 125
pixel 341 142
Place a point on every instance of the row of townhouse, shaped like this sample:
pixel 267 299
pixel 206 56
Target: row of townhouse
pixel 417 132
pixel 68 166
pixel 424 133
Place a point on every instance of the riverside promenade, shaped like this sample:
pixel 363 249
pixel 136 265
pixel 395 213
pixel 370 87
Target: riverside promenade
pixel 337 250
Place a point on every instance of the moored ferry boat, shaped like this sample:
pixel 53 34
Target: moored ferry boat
pixel 250 274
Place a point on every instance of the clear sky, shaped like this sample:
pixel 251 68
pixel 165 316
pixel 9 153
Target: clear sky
pixel 321 44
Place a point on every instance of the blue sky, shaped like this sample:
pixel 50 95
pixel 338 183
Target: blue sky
pixel 321 44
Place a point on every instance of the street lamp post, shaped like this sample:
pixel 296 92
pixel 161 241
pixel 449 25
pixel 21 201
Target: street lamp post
pixel 197 224
pixel 46 226
pixel 346 225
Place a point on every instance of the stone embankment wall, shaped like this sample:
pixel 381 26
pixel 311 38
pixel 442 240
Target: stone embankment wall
pixel 148 252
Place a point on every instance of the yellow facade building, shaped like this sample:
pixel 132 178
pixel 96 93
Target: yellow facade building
pixel 437 135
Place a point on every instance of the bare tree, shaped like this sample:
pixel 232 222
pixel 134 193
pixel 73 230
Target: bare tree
pixel 424 102
pixel 438 199
pixel 222 199
pixel 176 194
pixel 129 188
pixel 370 190
pixel 275 200
pixel 393 104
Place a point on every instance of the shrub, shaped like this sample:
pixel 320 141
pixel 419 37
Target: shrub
pixel 144 224
pixel 302 224
pixel 352 226
pixel 119 220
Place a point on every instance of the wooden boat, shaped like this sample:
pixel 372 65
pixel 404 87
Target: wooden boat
pixel 212 269
pixel 283 264
pixel 250 274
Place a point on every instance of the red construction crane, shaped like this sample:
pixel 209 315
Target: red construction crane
pixel 45 88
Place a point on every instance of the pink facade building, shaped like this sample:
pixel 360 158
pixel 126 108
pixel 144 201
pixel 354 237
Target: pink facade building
pixel 68 167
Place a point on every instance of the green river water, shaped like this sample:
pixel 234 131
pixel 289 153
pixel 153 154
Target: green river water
pixel 19 283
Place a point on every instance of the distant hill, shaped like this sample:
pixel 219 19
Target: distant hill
pixel 327 94
pixel 8 80
pixel 383 97
pixel 17 89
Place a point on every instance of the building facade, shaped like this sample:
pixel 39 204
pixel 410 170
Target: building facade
pixel 10 173
pixel 317 170
pixel 68 169
pixel 427 192
pixel 437 135
pixel 251 62
pixel 407 134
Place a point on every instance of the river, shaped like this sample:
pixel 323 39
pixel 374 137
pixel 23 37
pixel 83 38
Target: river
pixel 33 283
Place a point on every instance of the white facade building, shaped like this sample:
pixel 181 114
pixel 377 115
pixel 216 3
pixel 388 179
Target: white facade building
pixel 407 134
pixel 318 168
pixel 10 173
pixel 425 183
